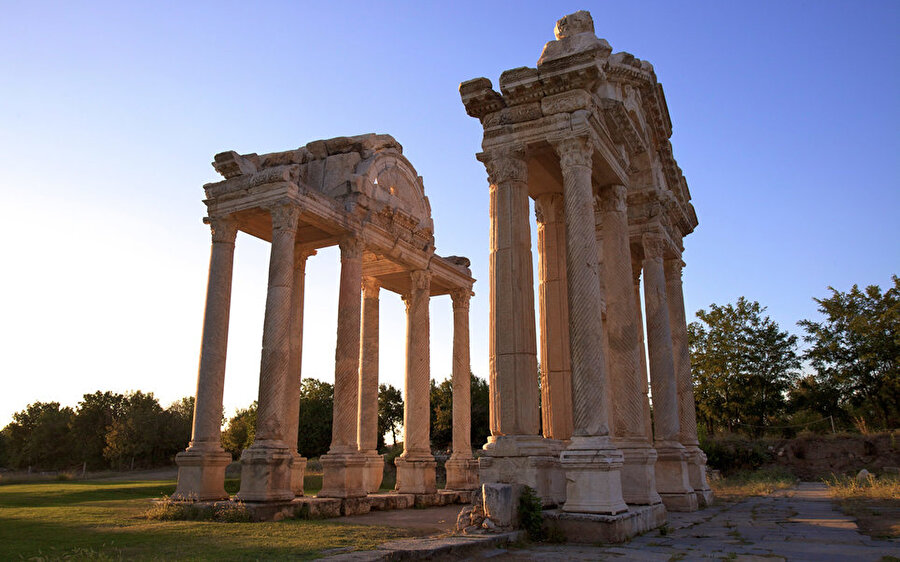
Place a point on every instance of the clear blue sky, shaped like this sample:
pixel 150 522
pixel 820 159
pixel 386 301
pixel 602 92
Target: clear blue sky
pixel 785 123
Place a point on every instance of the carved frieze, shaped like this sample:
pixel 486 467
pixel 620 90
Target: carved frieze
pixel 566 102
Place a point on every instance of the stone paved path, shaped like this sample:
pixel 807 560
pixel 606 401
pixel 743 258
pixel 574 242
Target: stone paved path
pixel 796 524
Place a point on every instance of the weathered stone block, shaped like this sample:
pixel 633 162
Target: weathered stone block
pixel 201 475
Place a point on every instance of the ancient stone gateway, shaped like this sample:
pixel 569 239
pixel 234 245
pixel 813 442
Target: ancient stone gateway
pixel 586 135
pixel 363 195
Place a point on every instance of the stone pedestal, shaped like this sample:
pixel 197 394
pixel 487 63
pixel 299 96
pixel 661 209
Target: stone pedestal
pixel 672 479
pixel 593 480
pixel 265 474
pixel 373 473
pixel 638 473
pixel 201 475
pixel 298 472
pixel 342 475
pixel 696 461
pixel 525 459
pixel 415 476
pixel 462 473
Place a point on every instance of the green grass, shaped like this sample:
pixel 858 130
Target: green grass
pixel 752 483
pixel 84 520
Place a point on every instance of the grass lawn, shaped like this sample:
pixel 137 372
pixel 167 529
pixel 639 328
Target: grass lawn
pixel 751 483
pixel 99 520
pixel 875 502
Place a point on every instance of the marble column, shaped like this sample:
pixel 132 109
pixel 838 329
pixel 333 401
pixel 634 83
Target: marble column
pixel 645 377
pixel 416 465
pixel 672 481
pixel 515 451
pixel 367 429
pixel 696 459
pixel 462 468
pixel 292 396
pixel 201 467
pixel 638 473
pixel 591 462
pixel 343 466
pixel 266 464
pixel 556 370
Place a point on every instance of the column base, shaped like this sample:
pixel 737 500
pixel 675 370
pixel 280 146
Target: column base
pixel 342 475
pixel 696 461
pixel 638 473
pixel 415 475
pixel 265 474
pixel 672 480
pixel 373 473
pixel 462 473
pixel 525 459
pixel 298 472
pixel 201 475
pixel 593 478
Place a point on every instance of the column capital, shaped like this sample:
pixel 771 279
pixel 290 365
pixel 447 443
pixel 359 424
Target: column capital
pixel 505 165
pixel 370 287
pixel 460 297
pixel 655 246
pixel 223 229
pixel 613 198
pixel 674 267
pixel 301 255
pixel 549 207
pixel 574 151
pixel 420 280
pixel 284 216
pixel 351 246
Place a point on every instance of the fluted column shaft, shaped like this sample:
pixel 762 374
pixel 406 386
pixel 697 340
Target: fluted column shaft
pixel 556 370
pixel 659 341
pixel 513 354
pixel 205 434
pixel 276 347
pixel 292 396
pixel 367 431
pixel 682 355
pixel 416 406
pixel 590 386
pixel 461 377
pixel 346 353
pixel 624 351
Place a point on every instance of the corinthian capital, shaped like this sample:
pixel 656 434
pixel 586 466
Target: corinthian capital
pixel 420 280
pixel 460 297
pixel 351 247
pixel 674 267
pixel 574 151
pixel 284 216
pixel 370 287
pixel 612 198
pixel 505 166
pixel 655 246
pixel 223 229
pixel 549 208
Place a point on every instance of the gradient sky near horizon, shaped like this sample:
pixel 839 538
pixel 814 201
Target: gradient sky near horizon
pixel 786 121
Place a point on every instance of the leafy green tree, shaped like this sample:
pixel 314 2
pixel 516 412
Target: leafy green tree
pixel 316 405
pixel 241 430
pixel 442 415
pixel 742 364
pixel 481 428
pixel 39 436
pixel 94 415
pixel 134 438
pixel 855 351
pixel 176 427
pixel 390 412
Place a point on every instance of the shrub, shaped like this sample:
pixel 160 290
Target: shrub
pixel 530 518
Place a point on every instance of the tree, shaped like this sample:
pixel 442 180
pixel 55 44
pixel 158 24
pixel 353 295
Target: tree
pixel 742 364
pixel 390 412
pixel 855 350
pixel 94 415
pixel 441 415
pixel 481 424
pixel 176 426
pixel 39 436
pixel 241 430
pixel 135 437
pixel 316 405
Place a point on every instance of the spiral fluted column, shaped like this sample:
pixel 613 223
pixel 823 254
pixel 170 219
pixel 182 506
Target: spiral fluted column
pixel 292 396
pixel 265 465
pixel 201 467
pixel 591 461
pixel 367 428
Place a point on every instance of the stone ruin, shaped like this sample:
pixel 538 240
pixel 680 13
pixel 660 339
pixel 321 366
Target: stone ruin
pixel 585 134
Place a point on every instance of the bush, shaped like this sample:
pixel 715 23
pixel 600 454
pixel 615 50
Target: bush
pixel 730 453
pixel 530 518
pixel 223 512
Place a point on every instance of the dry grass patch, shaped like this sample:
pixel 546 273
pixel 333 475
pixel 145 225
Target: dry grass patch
pixel 749 483
pixel 875 502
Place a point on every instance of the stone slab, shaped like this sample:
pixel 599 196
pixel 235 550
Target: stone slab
pixel 596 528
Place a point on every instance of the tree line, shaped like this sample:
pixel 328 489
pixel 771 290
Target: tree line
pixel 751 377
pixel 108 430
